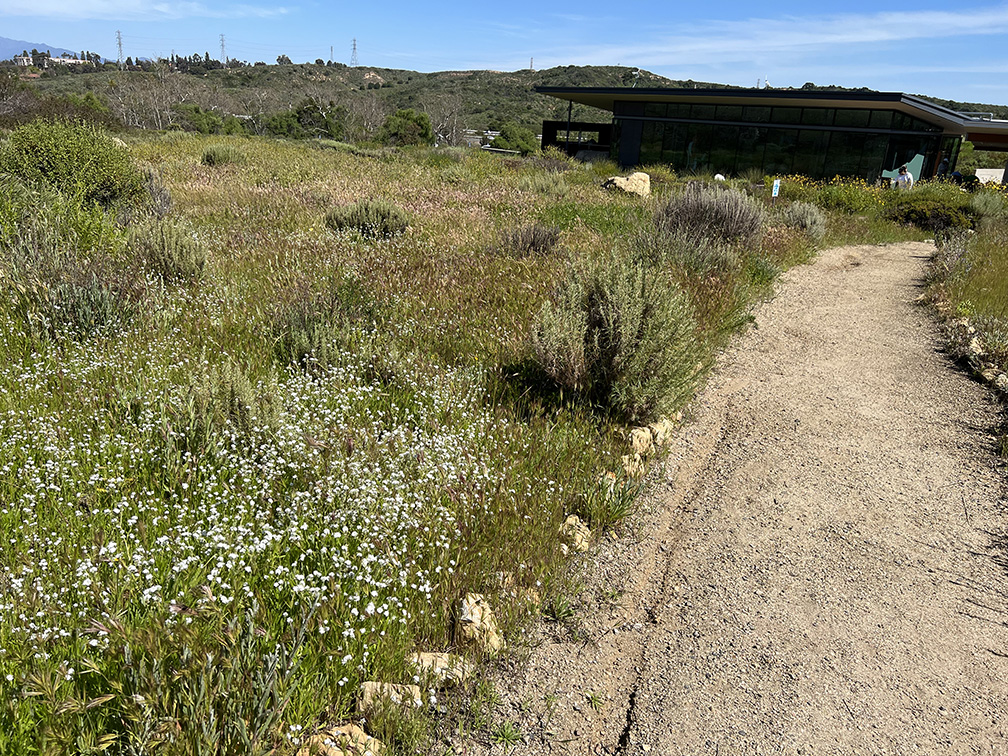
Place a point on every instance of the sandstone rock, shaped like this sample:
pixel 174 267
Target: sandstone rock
pixel 636 183
pixel 975 349
pixel 346 740
pixel 375 694
pixel 990 375
pixel 661 431
pixel 575 533
pixel 1001 382
pixel 478 625
pixel 633 465
pixel 641 441
pixel 447 669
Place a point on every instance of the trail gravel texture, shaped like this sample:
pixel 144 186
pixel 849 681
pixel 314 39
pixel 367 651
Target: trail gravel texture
pixel 822 567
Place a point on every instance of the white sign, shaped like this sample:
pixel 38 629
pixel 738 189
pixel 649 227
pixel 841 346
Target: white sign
pixel 776 187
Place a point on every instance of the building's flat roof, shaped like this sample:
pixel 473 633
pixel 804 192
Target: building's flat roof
pixel 985 134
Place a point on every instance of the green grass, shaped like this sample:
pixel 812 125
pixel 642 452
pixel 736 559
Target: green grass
pixel 221 514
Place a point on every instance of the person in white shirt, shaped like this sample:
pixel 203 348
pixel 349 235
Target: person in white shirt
pixel 905 179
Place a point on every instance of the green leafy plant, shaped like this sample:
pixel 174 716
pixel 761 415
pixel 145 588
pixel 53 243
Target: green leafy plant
pixel 407 127
pixel 75 158
pixel 517 138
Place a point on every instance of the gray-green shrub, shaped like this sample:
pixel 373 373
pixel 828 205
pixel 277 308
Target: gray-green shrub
pixel 708 211
pixel 806 217
pixel 620 333
pixel 370 217
pixel 172 254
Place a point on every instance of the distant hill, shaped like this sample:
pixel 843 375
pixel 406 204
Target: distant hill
pixel 11 47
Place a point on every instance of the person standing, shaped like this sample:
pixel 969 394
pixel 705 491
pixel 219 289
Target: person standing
pixel 904 180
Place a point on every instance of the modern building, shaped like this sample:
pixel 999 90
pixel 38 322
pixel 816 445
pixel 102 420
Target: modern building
pixel 819 134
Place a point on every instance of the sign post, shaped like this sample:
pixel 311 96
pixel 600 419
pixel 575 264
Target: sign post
pixel 776 190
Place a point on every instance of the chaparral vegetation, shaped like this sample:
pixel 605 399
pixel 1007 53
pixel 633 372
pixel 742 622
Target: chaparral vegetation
pixel 269 411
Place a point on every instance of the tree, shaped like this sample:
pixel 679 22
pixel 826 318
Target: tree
pixel 518 138
pixel 283 60
pixel 407 127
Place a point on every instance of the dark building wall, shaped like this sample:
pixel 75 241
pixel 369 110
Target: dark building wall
pixel 813 141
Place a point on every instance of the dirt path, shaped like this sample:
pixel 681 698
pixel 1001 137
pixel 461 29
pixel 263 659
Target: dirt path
pixel 824 568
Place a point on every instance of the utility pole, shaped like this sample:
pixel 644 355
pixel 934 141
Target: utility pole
pixel 353 55
pixel 223 55
pixel 330 52
pixel 119 44
pixel 531 61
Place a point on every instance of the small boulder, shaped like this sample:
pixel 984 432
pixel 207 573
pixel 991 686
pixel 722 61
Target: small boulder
pixel 478 625
pixel 575 533
pixel 633 465
pixel 374 694
pixel 641 441
pixel 661 431
pixel 447 669
pixel 636 183
pixel 346 740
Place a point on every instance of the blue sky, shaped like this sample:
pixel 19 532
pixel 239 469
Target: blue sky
pixel 919 47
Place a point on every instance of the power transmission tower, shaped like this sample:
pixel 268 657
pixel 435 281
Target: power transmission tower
pixel 223 55
pixel 330 52
pixel 531 67
pixel 353 55
pixel 119 43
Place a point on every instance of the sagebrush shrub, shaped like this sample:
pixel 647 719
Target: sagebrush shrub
pixel 370 217
pixel 172 254
pixel 931 214
pixel 989 204
pixel 74 158
pixel 546 184
pixel 711 212
pixel 806 217
pixel 620 333
pixel 221 154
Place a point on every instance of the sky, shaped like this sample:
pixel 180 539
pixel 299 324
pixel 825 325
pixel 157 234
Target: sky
pixel 920 47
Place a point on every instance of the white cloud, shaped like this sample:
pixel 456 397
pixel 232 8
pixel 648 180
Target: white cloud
pixel 136 10
pixel 760 39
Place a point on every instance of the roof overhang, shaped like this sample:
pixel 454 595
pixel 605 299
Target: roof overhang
pixel 985 134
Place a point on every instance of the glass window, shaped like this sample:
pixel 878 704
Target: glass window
pixel 724 143
pixel 779 153
pixel 753 114
pixel 673 144
pixel 751 144
pixel 651 142
pixel 818 116
pixel 703 112
pixel 852 118
pixel 628 108
pixel 729 112
pixel 678 110
pixel 810 153
pixel 787 115
pixel 654 110
pixel 872 156
pixel 844 155
pixel 881 119
pixel 698 140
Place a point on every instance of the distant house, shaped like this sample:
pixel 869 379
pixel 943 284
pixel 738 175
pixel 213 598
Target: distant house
pixel 23 61
pixel 819 134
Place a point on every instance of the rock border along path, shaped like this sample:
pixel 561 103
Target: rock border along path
pixel 823 567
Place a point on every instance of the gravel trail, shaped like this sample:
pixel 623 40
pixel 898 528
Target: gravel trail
pixel 823 565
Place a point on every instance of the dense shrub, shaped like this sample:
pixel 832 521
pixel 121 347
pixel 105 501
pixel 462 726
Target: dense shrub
pixel 806 217
pixel 75 158
pixel 407 127
pixel 711 212
pixel 989 205
pixel 930 214
pixel 172 254
pixel 618 332
pixel 221 154
pixel 546 184
pixel 371 217
pixel 517 138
